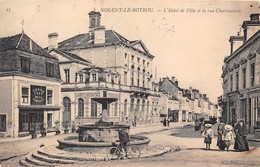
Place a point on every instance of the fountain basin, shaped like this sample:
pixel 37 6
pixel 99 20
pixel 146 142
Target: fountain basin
pixel 71 143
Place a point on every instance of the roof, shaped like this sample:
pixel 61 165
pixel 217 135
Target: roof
pixel 24 43
pixel 82 41
pixel 71 55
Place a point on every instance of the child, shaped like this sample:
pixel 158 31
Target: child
pixel 228 136
pixel 208 135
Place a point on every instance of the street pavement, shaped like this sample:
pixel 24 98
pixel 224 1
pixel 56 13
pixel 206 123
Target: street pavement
pixel 178 134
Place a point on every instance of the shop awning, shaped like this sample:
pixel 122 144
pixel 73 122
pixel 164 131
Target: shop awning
pixel 39 107
pixel 105 100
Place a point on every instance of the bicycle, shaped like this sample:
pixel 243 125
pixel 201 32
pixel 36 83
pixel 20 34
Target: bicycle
pixel 117 151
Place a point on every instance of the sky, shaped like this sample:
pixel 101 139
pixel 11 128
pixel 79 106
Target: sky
pixel 189 39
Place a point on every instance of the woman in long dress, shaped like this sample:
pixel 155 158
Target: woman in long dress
pixel 241 143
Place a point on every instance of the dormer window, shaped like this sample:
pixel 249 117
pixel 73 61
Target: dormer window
pixel 94 77
pixel 25 64
pixel 49 70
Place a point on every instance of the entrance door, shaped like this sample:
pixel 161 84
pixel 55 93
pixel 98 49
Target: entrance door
pixel 67 110
pixel 49 120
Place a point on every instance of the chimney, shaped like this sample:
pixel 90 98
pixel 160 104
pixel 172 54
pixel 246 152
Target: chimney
pixel 251 27
pixel 235 42
pixel 254 17
pixel 53 41
pixel 99 35
pixel 173 79
pixel 176 82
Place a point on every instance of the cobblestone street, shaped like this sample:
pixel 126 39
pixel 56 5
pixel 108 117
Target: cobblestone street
pixel 178 134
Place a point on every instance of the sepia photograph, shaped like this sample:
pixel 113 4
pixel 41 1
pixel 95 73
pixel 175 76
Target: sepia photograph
pixel 122 83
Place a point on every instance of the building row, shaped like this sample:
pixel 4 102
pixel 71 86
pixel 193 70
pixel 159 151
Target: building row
pixel 241 76
pixel 76 79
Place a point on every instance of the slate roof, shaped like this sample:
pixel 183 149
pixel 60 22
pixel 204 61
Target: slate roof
pixel 70 55
pixel 22 42
pixel 86 41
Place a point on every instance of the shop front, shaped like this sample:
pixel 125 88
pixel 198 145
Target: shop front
pixel 39 113
pixel 174 115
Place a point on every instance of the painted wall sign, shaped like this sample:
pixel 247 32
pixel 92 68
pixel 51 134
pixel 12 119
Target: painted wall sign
pixel 38 95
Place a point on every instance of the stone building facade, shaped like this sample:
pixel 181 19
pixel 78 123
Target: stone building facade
pixel 30 85
pixel 241 76
pixel 121 74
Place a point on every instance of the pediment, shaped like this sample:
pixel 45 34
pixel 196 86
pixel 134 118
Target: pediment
pixel 140 46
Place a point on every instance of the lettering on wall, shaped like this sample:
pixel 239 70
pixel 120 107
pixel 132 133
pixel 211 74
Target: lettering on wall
pixel 38 95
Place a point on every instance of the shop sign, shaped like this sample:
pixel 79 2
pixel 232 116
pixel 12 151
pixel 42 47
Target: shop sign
pixel 38 95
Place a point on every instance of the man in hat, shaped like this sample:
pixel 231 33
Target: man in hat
pixel 241 143
pixel 228 136
pixel 124 139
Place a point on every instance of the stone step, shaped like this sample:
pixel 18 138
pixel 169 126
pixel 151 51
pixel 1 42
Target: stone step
pixel 23 162
pixel 44 158
pixel 75 157
pixel 36 162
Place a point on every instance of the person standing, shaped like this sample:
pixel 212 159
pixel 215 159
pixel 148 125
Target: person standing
pixel 241 143
pixel 208 135
pixel 228 136
pixel 221 130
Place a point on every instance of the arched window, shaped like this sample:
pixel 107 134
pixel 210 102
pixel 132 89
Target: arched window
pixel 125 107
pixel 67 104
pixel 147 108
pixel 92 22
pixel 132 105
pixel 143 109
pixel 93 108
pixel 80 107
pixel 143 78
pixel 138 77
pixel 98 22
pixel 132 75
pixel 138 106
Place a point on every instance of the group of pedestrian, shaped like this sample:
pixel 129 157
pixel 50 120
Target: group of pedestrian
pixel 227 135
pixel 166 122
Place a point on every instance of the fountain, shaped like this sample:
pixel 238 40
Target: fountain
pixel 99 136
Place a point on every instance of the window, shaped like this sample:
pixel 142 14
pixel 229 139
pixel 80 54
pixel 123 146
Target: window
pixel 231 82
pixel 244 77
pixel 80 107
pixel 25 95
pixel 49 70
pixel 143 78
pixel 2 122
pixel 25 65
pixel 252 74
pixel 132 105
pixel 67 75
pixel 49 96
pixel 66 104
pixel 125 78
pixel 92 22
pixel 94 77
pixel 147 108
pixel 138 60
pixel 133 57
pixel 125 55
pixel 147 64
pixel 125 107
pixel 93 108
pixel 132 76
pixel 138 78
pixel 116 108
pixel 80 78
pixel 237 81
pixel 116 82
pixel 143 62
pixel 108 78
